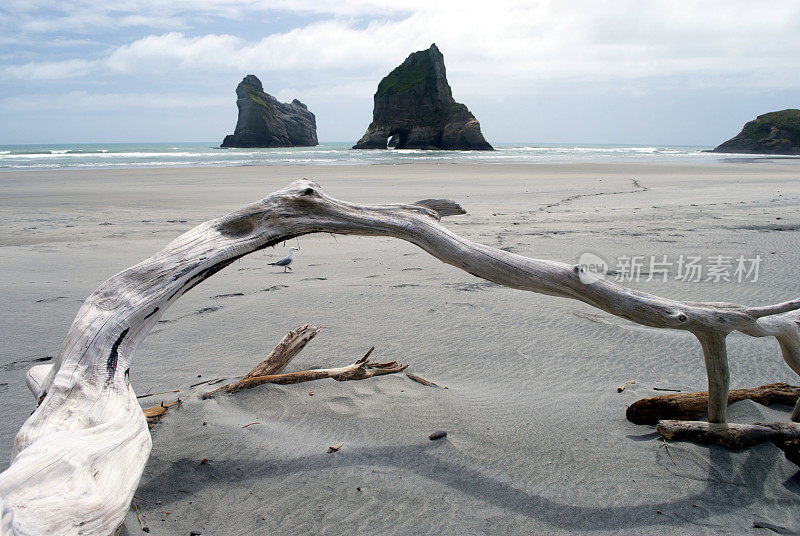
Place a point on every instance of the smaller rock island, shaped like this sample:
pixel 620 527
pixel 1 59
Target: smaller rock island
pixel 414 109
pixel 771 133
pixel 266 122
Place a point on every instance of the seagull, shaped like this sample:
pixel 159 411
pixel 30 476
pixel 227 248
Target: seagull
pixel 286 261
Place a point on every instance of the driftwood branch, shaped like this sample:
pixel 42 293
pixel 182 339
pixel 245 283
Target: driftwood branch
pixel 729 435
pixel 693 406
pixel 676 414
pixel 77 460
pixel 360 370
pixel 785 436
pixel 284 352
pixel 420 379
pixel 269 369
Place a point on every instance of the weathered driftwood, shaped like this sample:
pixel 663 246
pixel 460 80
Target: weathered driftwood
pixel 284 352
pixel 154 414
pixel 276 361
pixel 77 460
pixel 729 435
pixel 675 416
pixel 420 379
pixel 360 370
pixel 693 406
pixel 785 436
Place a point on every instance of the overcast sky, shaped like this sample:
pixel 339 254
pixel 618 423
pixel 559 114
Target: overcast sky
pixel 634 72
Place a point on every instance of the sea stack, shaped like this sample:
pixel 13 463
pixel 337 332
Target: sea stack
pixel 772 133
pixel 415 109
pixel 266 122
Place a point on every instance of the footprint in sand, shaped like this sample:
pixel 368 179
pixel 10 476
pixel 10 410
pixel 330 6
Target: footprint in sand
pixel 50 300
pixel 229 295
pixel 343 405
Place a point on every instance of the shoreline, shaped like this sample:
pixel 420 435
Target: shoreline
pixel 733 160
pixel 178 156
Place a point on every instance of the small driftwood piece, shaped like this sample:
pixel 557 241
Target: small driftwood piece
pixel 693 406
pixel 360 370
pixel 420 379
pixel 148 395
pixel 78 458
pixel 625 385
pixel 156 413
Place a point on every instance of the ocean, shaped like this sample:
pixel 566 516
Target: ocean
pixel 134 155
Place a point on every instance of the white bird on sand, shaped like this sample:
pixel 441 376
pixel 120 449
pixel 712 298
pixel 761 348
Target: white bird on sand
pixel 286 261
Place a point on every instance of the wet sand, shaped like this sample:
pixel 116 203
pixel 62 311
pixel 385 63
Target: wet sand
pixel 537 440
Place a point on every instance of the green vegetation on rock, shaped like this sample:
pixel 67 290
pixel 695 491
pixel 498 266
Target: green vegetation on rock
pixel 760 128
pixel 416 69
pixel 260 101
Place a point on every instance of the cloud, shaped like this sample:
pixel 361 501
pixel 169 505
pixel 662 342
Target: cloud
pixel 86 21
pixel 504 46
pixel 82 101
pixel 85 16
pixel 322 46
pixel 163 53
pixel 50 70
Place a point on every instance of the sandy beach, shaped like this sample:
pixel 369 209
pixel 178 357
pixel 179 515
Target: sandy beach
pixel 537 438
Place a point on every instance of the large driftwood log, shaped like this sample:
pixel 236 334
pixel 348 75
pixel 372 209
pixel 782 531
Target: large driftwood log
pixel 729 435
pixel 77 460
pixel 784 435
pixel 692 406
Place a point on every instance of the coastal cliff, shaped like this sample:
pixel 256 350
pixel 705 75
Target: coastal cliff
pixel 772 133
pixel 414 109
pixel 266 122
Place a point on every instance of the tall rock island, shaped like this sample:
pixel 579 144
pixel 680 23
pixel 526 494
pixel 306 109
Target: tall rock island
pixel 414 109
pixel 772 133
pixel 266 122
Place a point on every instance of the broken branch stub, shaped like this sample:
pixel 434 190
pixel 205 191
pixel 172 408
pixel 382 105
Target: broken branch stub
pixel 284 352
pixel 77 460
